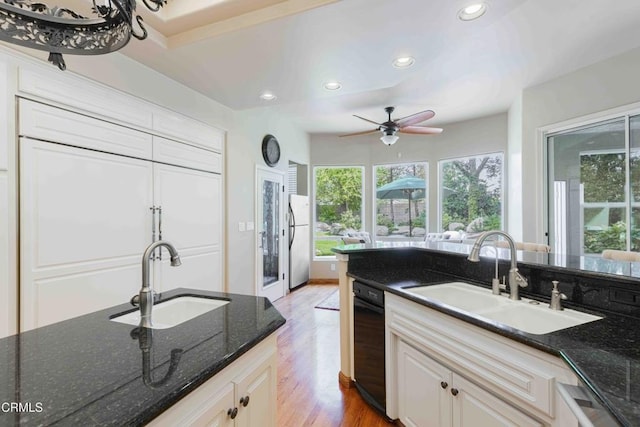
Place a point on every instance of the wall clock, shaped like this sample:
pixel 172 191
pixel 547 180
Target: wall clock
pixel 270 150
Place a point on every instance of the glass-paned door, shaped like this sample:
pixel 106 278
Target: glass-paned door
pixel 270 230
pixel 588 200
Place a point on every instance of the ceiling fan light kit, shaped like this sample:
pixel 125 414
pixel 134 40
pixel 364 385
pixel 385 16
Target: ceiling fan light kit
pixel 389 139
pixel 403 125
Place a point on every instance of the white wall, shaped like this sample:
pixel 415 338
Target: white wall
pixel 478 136
pixel 605 85
pixel 244 152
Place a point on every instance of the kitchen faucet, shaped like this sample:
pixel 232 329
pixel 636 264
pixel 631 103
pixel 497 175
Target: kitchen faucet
pixel 516 280
pixel 145 298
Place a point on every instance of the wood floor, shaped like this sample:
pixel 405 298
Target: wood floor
pixel 308 366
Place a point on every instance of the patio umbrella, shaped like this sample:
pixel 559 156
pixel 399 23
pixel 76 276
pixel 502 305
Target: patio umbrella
pixel 408 187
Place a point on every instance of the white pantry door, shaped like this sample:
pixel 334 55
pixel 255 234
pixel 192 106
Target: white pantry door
pixel 270 233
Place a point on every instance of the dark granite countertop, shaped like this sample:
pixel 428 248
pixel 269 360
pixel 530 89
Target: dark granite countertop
pixel 89 370
pixel 605 354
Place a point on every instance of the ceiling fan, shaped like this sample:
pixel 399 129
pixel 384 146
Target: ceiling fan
pixel 404 125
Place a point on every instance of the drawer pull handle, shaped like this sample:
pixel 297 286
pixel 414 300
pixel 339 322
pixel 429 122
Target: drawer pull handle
pixel 232 413
pixel 444 384
pixel 454 391
pixel 244 401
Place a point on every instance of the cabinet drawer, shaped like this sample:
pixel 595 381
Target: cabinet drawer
pixel 507 368
pixel 188 130
pixel 176 153
pixel 53 124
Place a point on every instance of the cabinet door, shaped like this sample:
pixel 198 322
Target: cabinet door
pixel 475 407
pixel 84 221
pixel 191 219
pixel 423 389
pixel 207 406
pixel 259 387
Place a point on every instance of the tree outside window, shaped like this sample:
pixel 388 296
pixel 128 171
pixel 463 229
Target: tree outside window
pixel 338 206
pixel 471 193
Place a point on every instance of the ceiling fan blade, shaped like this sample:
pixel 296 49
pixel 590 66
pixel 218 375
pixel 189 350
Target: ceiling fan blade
pixel 360 133
pixel 420 130
pixel 367 120
pixel 415 118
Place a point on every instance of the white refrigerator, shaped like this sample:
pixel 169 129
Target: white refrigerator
pixel 299 238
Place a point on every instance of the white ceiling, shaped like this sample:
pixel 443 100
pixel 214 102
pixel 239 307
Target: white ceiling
pixel 232 50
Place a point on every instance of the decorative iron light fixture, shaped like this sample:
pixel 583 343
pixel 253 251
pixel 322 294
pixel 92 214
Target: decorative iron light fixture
pixel 62 31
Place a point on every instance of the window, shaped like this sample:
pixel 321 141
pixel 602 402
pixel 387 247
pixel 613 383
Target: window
pixel 338 206
pixel 401 207
pixel 594 187
pixel 471 193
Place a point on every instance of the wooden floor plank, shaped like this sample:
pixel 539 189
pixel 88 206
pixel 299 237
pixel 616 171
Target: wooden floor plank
pixel 308 364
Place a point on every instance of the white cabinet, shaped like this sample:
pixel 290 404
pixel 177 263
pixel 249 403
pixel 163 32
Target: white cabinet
pixel 256 395
pixel 241 395
pixel 473 406
pixel 431 395
pixel 423 398
pixel 47 123
pixel 186 129
pixel 176 153
pixel 86 217
pixel 497 381
pixel 190 217
pixel 84 222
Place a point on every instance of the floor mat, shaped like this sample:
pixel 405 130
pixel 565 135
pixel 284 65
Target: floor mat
pixel 332 302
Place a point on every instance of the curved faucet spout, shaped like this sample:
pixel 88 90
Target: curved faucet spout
pixel 516 280
pixel 146 295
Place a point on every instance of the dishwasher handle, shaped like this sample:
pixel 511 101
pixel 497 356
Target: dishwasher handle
pixel 359 302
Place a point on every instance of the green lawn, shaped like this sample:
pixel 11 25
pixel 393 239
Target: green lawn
pixel 323 247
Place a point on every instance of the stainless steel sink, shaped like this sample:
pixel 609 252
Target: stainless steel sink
pixel 525 315
pixel 175 311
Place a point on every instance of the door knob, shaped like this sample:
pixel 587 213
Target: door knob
pixel 444 384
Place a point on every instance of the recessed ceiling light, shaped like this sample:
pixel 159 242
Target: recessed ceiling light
pixel 471 12
pixel 404 61
pixel 267 96
pixel 333 85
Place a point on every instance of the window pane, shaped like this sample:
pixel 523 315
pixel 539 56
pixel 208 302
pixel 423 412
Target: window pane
pixel 471 193
pixel 602 176
pixel 338 206
pixel 401 201
pixel 587 189
pixel 634 169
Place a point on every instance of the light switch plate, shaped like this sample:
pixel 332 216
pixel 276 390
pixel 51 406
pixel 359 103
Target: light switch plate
pixel 250 226
pixel 241 226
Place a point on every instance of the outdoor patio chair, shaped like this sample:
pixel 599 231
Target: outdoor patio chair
pixel 617 255
pixel 525 246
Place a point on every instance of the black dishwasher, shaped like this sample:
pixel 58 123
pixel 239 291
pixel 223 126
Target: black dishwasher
pixel 368 344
